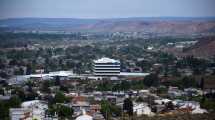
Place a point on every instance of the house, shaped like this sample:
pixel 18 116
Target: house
pixel 98 116
pixel 3 97
pixel 84 116
pixel 79 103
pixel 95 108
pixel 198 110
pixel 174 92
pixel 158 108
pixel 162 101
pixel 142 109
pixel 144 93
pixel 37 107
pixel 193 92
pixel 97 96
pixel 20 114
pixel 192 106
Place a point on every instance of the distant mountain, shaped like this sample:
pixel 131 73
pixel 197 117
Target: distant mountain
pixel 45 23
pixel 149 25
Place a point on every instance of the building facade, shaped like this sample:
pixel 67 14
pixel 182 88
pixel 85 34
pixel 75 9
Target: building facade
pixel 106 67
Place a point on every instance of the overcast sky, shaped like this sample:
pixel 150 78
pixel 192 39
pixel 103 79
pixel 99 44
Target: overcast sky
pixel 106 8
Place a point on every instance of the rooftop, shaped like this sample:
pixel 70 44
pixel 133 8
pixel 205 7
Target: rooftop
pixel 29 103
pixel 133 74
pixel 106 60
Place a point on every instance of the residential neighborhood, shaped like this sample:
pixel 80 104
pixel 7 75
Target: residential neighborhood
pixel 107 59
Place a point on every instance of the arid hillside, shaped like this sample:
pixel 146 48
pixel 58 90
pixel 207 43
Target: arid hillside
pixel 164 26
pixel 204 48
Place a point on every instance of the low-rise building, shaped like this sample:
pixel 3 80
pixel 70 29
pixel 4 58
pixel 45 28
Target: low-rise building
pixel 142 109
pixel 37 107
pixel 21 114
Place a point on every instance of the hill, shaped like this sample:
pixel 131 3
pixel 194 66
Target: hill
pixel 205 47
pixel 148 25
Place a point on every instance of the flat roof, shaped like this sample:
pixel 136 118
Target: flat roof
pixel 133 74
pixel 106 60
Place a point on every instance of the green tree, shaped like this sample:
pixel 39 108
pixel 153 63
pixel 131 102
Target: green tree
pixel 208 104
pixel 188 82
pixel 139 99
pixel 202 83
pixel 59 97
pixel 1 91
pixel 29 69
pixel 57 80
pixel 151 80
pixel 4 110
pixel 108 109
pixel 14 102
pixel 45 86
pixel 19 92
pixel 128 106
pixel 125 85
pixel 64 111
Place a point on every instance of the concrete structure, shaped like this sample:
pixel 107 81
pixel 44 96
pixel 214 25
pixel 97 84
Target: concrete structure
pixel 43 76
pixel 132 74
pixel 106 67
pixel 142 109
pixel 84 117
pixel 37 107
pixel 198 110
pixel 20 114
pixel 4 97
pixel 162 101
pixel 29 110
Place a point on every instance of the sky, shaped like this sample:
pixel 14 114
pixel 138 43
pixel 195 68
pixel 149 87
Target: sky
pixel 106 8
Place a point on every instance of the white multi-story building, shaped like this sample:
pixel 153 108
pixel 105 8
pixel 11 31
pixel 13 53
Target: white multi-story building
pixel 106 67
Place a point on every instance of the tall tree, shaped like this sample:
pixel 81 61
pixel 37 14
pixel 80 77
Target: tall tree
pixel 57 80
pixel 151 80
pixel 202 82
pixel 108 109
pixel 4 110
pixel 64 112
pixel 14 102
pixel 59 97
pixel 29 69
pixel 128 106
